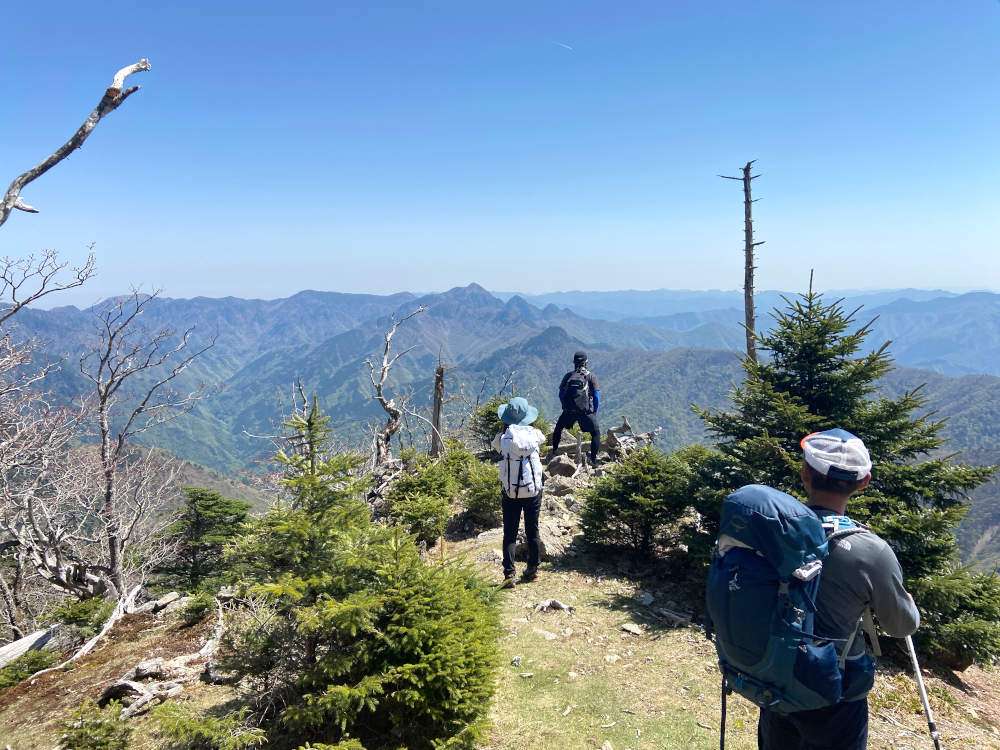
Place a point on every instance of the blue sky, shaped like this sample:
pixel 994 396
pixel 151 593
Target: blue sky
pixel 376 147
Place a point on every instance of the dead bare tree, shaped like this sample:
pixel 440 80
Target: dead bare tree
pixel 125 351
pixel 382 440
pixel 748 246
pixel 437 443
pixel 110 101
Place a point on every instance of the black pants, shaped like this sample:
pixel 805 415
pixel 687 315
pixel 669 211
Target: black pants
pixel 587 422
pixel 512 508
pixel 843 726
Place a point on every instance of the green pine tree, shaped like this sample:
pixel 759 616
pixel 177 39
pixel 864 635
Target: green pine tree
pixel 208 521
pixel 812 378
pixel 349 634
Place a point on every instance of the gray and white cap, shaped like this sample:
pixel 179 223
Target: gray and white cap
pixel 838 454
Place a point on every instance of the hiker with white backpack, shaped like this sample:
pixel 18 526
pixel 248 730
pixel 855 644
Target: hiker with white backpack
pixel 520 484
pixel 791 589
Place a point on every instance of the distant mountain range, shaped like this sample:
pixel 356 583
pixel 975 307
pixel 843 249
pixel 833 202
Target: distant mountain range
pixel 657 303
pixel 649 372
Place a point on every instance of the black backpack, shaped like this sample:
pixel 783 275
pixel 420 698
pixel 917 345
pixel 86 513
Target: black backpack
pixel 576 392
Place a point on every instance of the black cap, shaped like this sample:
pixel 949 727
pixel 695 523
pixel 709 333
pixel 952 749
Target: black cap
pixel 580 357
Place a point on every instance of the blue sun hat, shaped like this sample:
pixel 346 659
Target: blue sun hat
pixel 517 411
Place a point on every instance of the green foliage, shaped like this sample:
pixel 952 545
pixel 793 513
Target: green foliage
pixel 636 501
pixel 419 499
pixel 26 665
pixel 85 616
pixel 200 606
pixel 815 380
pixel 207 522
pixel 190 729
pixel 485 424
pixel 482 492
pixel 96 728
pixel 351 634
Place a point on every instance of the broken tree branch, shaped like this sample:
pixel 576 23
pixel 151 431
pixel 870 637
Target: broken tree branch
pixel 112 99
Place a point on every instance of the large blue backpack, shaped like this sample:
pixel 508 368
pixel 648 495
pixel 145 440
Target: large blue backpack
pixel 762 602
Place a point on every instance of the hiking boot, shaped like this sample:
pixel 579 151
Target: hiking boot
pixel 531 575
pixel 508 583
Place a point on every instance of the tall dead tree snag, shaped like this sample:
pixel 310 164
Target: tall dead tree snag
pixel 112 99
pixel 437 442
pixel 382 442
pixel 749 245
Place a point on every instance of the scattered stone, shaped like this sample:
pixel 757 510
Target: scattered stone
pixel 545 634
pixel 226 594
pixel 703 726
pixel 491 556
pixel 567 632
pixel 211 675
pixel 516 661
pixel 572 675
pixel 631 627
pixel 527 675
pixel 647 599
pixel 607 743
pixel 612 658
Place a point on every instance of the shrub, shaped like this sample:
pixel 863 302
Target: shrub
pixel 633 504
pixel 26 665
pixel 482 493
pixel 348 634
pixel 200 606
pixel 419 500
pixel 94 728
pixel 192 730
pixel 485 424
pixel 85 616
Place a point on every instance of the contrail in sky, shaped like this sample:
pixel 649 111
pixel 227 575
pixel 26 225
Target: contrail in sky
pixel 559 43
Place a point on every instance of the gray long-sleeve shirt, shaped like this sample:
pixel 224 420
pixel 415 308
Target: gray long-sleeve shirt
pixel 862 571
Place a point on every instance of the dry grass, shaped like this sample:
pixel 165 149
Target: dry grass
pixel 663 689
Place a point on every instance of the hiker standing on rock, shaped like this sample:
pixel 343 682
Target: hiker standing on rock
pixel 520 484
pixel 580 397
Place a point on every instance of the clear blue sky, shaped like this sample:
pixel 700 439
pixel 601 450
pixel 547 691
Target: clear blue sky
pixel 421 145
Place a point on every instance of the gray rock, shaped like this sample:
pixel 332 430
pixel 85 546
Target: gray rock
pixel 647 599
pixel 561 466
pixel 491 556
pixel 121 689
pixel 166 600
pixel 516 661
pixel 560 486
pixel 176 604
pixel 631 627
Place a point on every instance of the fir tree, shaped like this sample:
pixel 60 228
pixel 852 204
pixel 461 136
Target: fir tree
pixel 349 635
pixel 207 522
pixel 812 378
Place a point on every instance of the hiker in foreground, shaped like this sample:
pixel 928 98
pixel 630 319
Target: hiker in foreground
pixel 520 484
pixel 580 399
pixel 790 590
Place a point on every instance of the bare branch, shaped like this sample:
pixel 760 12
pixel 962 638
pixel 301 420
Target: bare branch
pixel 111 100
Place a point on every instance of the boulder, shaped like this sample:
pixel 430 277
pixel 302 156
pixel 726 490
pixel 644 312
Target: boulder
pixel 553 547
pixel 561 466
pixel 151 668
pixel 560 486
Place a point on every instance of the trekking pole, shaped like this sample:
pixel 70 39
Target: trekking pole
pixel 923 694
